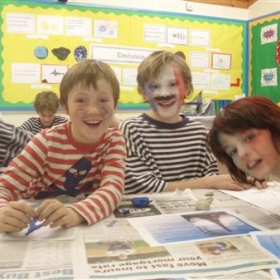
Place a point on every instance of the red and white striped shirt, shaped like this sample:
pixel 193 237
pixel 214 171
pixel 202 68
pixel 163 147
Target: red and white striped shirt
pixel 53 164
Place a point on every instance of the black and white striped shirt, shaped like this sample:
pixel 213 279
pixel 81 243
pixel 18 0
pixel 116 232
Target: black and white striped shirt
pixel 159 152
pixel 12 141
pixel 34 124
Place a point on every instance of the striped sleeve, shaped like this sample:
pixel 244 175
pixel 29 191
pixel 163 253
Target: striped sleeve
pixel 12 141
pixel 25 168
pixel 59 120
pixel 31 125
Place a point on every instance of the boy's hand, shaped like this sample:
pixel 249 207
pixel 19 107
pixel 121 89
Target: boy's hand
pixel 15 216
pixel 56 214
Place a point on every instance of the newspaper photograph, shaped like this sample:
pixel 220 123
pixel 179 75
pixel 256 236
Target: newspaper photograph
pixel 179 228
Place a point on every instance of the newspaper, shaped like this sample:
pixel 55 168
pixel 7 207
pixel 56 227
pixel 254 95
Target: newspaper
pixel 125 255
pixel 36 259
pixel 114 249
pixel 270 240
pixel 268 199
pixel 257 215
pixel 163 203
pixel 185 201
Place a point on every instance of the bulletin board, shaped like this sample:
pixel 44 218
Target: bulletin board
pixel 41 40
pixel 265 57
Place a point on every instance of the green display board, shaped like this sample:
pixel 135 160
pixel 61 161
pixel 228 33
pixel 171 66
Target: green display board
pixel 265 57
pixel 40 40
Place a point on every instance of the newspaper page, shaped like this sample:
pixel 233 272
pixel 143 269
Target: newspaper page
pixel 185 201
pixel 268 198
pixel 270 240
pixel 115 250
pixel 45 253
pixel 48 259
pixel 179 228
pixel 259 216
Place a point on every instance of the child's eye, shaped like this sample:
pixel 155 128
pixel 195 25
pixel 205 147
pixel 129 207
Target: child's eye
pixel 232 152
pixel 80 100
pixel 250 137
pixel 152 87
pixel 104 100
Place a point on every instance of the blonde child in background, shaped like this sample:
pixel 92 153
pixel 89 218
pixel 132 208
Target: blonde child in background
pixel 165 149
pixel 46 104
pixel 81 158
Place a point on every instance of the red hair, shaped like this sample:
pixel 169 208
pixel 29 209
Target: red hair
pixel 247 113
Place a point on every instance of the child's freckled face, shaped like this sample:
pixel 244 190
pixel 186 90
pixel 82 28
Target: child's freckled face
pixel 90 111
pixel 166 93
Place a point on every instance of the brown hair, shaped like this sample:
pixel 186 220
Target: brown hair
pixel 153 64
pixel 247 113
pixel 88 72
pixel 46 101
pixel 181 54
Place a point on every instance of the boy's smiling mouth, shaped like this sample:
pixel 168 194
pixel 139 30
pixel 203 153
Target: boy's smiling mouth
pixel 93 123
pixel 166 103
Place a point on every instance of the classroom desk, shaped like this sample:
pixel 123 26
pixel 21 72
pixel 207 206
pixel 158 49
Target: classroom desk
pixel 94 252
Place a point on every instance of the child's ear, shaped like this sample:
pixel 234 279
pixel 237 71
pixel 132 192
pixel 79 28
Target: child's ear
pixel 187 91
pixel 142 93
pixel 65 109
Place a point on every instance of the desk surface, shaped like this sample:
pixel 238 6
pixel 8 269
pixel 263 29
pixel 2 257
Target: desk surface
pixel 114 249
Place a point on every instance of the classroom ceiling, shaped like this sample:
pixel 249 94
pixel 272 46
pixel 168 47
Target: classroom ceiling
pixel 244 4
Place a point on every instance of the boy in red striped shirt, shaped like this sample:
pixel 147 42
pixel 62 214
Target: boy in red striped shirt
pixel 82 158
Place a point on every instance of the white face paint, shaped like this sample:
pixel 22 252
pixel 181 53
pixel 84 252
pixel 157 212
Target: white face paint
pixel 166 94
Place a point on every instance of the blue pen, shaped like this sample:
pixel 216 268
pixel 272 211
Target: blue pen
pixel 34 225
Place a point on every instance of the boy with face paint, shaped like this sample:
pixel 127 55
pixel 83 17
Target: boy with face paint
pixel 166 150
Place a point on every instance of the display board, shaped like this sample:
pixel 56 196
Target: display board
pixel 265 57
pixel 41 40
